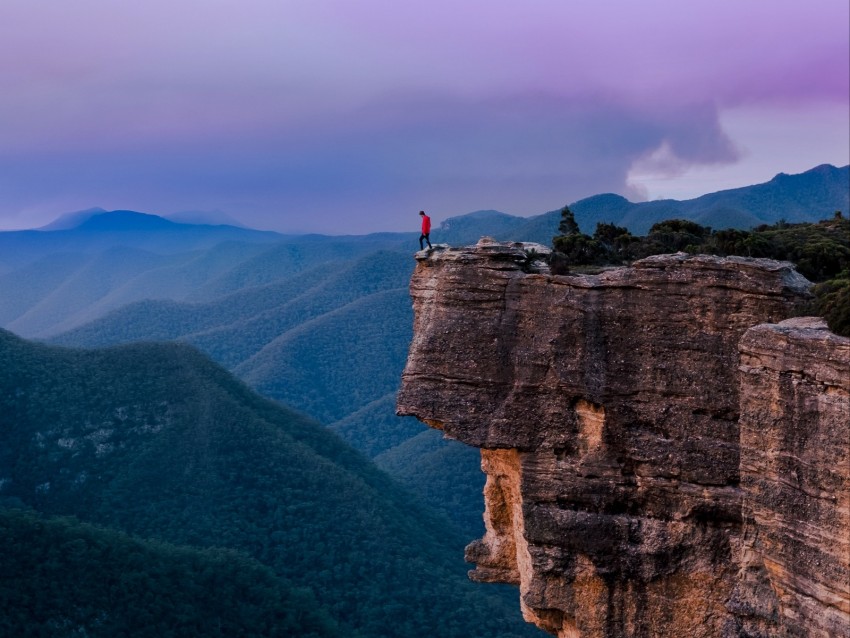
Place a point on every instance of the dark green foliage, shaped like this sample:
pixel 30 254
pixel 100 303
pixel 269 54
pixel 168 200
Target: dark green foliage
pixel 612 235
pixel 820 251
pixel 572 247
pixel 61 577
pixel 832 302
pixel 157 441
pixel 610 244
pixel 567 225
pixel 616 241
pixel 674 235
pixel 580 249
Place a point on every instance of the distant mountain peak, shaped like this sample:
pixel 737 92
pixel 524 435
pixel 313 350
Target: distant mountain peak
pixel 823 168
pixel 606 198
pixel 128 220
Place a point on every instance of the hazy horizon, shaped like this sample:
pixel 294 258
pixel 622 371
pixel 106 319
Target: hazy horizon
pixel 217 217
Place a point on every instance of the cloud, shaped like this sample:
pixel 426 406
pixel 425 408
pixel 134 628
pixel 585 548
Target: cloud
pixel 520 153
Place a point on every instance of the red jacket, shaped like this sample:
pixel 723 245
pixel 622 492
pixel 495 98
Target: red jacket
pixel 426 224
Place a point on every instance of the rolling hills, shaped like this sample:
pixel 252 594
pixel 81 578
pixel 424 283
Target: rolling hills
pixel 330 342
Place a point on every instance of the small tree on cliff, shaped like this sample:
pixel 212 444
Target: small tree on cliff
pixel 568 225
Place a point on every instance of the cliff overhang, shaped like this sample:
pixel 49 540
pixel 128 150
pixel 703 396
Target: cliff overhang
pixel 638 428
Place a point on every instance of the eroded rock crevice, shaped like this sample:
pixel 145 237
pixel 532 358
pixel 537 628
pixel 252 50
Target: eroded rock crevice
pixel 665 455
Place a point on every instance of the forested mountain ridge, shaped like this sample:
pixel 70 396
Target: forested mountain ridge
pixel 43 297
pixel 58 292
pixel 252 314
pixel 158 441
pixel 329 341
pixel 355 317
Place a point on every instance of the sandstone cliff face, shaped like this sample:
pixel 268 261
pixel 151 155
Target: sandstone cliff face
pixel 795 479
pixel 608 412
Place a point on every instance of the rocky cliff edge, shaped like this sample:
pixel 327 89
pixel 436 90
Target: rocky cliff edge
pixel 665 455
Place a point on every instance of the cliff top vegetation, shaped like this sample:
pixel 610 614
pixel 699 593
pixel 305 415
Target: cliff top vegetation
pixel 820 252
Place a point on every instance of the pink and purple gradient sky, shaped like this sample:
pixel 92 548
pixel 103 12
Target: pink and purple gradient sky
pixel 349 116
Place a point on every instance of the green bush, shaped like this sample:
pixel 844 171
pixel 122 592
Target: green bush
pixel 832 302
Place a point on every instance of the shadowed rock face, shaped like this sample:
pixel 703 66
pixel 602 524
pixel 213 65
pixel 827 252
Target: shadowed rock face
pixel 607 409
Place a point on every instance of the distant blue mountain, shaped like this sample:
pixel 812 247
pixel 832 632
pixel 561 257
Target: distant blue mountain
pixel 93 231
pixel 100 218
pixel 126 221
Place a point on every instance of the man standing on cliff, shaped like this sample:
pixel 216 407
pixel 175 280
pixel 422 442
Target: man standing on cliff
pixel 426 231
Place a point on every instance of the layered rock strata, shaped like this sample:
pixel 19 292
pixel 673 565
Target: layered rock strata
pixel 607 408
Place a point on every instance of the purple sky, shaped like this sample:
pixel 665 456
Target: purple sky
pixel 350 116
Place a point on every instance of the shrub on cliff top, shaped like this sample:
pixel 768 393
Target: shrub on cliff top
pixel 832 302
